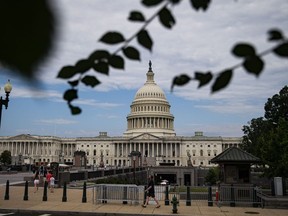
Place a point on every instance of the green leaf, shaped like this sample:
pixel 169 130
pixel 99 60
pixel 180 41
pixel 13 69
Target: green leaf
pixel 175 1
pixel 67 72
pixel 222 80
pixel 70 95
pixel 116 61
pixel 145 40
pixel 90 81
pixel 101 67
pixel 166 18
pixel 136 16
pixel 181 80
pixel 149 3
pixel 83 65
pixel 99 54
pixel 131 53
pixel 200 4
pixel 275 35
pixel 73 83
pixel 282 50
pixel 203 78
pixel 74 110
pixel 243 50
pixel 253 64
pixel 112 38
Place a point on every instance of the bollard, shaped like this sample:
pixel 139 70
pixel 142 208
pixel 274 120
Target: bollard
pixel 125 194
pixel 104 194
pixel 188 197
pixel 84 197
pixel 64 197
pixel 7 191
pixel 174 204
pixel 145 194
pixel 210 201
pixel 26 191
pixel 166 196
pixel 232 202
pixel 45 191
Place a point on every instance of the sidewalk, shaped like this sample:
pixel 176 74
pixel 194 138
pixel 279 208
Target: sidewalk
pixel 74 204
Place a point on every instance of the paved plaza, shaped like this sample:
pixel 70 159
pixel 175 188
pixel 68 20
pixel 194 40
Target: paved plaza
pixel 74 204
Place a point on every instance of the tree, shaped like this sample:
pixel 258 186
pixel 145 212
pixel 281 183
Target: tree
pixel 212 176
pixel 38 23
pixel 5 157
pixel 267 137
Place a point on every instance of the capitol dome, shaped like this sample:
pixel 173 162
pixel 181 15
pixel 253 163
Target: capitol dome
pixel 150 111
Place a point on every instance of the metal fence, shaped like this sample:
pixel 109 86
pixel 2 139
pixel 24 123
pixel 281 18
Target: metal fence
pixel 105 193
pixel 227 195
pixel 240 195
pixel 134 194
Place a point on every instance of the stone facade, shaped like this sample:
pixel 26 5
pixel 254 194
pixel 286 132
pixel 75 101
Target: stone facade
pixel 150 130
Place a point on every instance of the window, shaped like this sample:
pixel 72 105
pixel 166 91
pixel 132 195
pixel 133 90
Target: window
pixel 201 152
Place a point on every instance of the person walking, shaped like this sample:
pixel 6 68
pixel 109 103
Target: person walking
pixel 150 193
pixel 48 176
pixel 52 183
pixel 36 181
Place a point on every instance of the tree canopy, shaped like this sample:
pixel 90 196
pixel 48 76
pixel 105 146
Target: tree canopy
pixel 267 137
pixel 5 157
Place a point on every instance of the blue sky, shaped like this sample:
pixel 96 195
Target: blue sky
pixel 198 42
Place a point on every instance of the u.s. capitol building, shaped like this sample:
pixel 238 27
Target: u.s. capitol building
pixel 150 131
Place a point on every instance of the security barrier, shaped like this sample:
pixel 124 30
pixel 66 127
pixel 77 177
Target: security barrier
pixel 117 193
pixel 239 195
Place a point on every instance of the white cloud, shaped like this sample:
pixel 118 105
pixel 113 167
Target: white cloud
pixel 54 122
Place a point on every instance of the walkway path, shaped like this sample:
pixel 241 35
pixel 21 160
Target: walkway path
pixel 74 204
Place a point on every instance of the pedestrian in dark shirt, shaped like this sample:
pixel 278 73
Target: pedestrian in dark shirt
pixel 150 193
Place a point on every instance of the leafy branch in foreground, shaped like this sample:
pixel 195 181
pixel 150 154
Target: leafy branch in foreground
pixel 253 63
pixel 102 60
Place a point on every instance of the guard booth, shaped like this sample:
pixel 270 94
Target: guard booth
pixel 235 176
pixel 235 165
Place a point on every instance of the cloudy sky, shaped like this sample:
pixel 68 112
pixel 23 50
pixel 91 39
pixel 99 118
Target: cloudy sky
pixel 200 41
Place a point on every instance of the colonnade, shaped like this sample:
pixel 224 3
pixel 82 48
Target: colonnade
pixel 148 149
pixel 150 122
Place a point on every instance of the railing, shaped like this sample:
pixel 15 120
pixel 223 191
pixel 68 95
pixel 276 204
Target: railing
pixel 117 193
pixel 228 195
pixel 239 195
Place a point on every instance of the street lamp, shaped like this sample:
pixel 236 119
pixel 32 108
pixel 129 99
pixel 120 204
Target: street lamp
pixel 29 157
pixel 61 157
pixel 134 160
pixel 4 102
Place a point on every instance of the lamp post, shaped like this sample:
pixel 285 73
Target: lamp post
pixel 134 161
pixel 29 157
pixel 61 157
pixel 4 102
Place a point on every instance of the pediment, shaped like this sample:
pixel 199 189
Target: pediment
pixel 22 137
pixel 146 136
